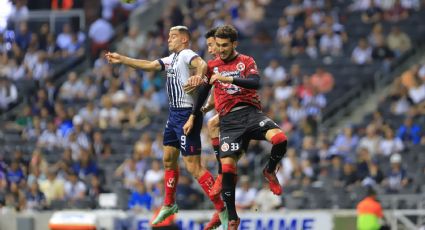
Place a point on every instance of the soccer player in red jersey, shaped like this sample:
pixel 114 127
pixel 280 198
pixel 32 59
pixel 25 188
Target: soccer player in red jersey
pixel 213 122
pixel 236 80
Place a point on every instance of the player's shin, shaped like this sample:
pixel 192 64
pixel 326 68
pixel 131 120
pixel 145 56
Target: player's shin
pixel 278 151
pixel 228 192
pixel 171 178
pixel 216 146
pixel 206 181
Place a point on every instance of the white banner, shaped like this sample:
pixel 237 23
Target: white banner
pixel 279 220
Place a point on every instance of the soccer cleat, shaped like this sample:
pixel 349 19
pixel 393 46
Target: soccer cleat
pixel 214 222
pixel 224 218
pixel 234 224
pixel 216 188
pixel 273 182
pixel 164 213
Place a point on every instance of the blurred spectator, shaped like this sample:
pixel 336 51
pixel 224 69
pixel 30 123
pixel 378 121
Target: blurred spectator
pixel 89 113
pixel 390 144
pixel 100 33
pixel 75 189
pixel 23 36
pixel 381 52
pixel 75 48
pixel 265 201
pixel 417 91
pixel 50 137
pixel 65 37
pixel 19 12
pixel 132 44
pixel 186 195
pixel 371 140
pixel 155 174
pixel 372 14
pixel 289 163
pixel 283 91
pixel 14 174
pixel 130 172
pixel 85 166
pixel 311 49
pixel 140 199
pixel 330 43
pixel 245 194
pixel 396 178
pixel 335 169
pixel 274 72
pixel 322 80
pixel 398 41
pixel 52 188
pixel 8 93
pixel 35 199
pixel 346 142
pixel 71 87
pixel 362 53
pixel 396 13
pixel 409 132
pixel 350 176
pixel 15 198
pixel 95 187
pixel 38 161
pixel 314 103
pixel 108 115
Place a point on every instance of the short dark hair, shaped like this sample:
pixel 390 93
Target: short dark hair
pixel 227 32
pixel 182 29
pixel 211 33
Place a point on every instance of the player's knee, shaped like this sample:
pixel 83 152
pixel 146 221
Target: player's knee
pixel 169 162
pixel 279 142
pixel 278 138
pixel 194 170
pixel 193 166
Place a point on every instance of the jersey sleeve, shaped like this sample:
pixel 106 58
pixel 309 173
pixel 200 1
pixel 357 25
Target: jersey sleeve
pixel 210 70
pixel 251 67
pixel 165 62
pixel 188 55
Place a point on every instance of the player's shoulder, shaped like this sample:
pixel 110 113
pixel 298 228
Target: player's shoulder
pixel 187 52
pixel 243 57
pixel 214 62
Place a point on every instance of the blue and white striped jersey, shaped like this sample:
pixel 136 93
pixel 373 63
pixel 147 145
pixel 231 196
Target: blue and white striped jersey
pixel 177 66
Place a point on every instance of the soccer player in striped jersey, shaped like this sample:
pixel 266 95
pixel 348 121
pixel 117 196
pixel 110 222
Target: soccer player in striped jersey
pixel 176 140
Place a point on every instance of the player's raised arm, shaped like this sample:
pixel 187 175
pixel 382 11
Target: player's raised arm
pixel 115 58
pixel 200 65
pixel 198 79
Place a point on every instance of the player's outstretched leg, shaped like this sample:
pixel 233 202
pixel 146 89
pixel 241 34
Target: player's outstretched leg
pixel 171 178
pixel 213 128
pixel 228 192
pixel 205 180
pixel 279 142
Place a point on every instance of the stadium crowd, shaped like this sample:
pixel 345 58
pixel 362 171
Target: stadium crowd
pixel 96 131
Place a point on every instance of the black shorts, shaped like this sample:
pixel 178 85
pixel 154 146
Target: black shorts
pixel 237 128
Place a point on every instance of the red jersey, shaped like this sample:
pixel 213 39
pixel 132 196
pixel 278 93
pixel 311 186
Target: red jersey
pixel 227 95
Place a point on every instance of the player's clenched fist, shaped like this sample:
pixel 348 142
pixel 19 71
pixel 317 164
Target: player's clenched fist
pixel 113 58
pixel 193 82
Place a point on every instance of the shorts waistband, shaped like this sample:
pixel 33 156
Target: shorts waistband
pixel 238 108
pixel 180 109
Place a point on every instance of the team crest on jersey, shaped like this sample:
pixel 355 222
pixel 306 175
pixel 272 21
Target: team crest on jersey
pixel 215 70
pixel 225 147
pixel 240 66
